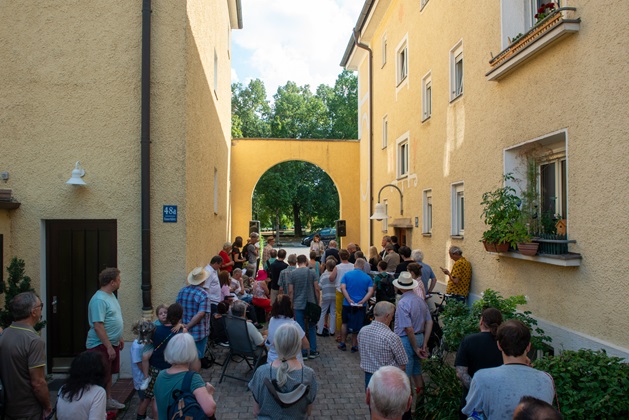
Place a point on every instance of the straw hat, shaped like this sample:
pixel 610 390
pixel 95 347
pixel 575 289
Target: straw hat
pixel 198 276
pixel 405 281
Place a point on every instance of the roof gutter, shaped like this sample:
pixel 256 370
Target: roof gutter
pixel 358 44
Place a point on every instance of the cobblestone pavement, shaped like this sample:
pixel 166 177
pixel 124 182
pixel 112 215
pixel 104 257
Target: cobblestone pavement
pixel 341 386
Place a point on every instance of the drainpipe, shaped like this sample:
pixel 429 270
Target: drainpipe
pixel 359 44
pixel 145 143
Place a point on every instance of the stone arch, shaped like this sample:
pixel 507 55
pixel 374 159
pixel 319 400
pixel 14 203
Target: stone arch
pixel 251 158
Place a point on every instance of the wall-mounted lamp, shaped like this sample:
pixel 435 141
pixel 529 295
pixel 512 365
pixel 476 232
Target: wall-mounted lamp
pixel 381 210
pixel 77 174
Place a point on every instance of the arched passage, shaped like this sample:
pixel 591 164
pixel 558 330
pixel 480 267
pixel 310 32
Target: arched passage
pixel 251 158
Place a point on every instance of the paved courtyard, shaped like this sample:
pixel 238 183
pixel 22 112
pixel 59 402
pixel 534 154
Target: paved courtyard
pixel 340 396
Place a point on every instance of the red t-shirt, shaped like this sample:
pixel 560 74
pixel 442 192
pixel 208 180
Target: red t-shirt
pixel 225 256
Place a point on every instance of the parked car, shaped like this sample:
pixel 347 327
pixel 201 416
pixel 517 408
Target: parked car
pixel 327 235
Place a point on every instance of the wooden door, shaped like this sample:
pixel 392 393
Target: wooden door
pixel 76 252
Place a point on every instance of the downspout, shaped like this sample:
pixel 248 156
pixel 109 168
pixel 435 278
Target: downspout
pixel 145 143
pixel 355 34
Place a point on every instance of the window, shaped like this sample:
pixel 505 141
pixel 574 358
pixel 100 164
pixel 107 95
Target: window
pixel 402 62
pixel 215 191
pixel 385 131
pixel 427 219
pixel 423 4
pixel 456 71
pixel 426 96
pixel 539 167
pixel 384 49
pixel 402 156
pixel 458 209
pixel 215 73
pixel 517 17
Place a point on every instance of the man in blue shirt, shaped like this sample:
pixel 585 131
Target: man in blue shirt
pixel 357 288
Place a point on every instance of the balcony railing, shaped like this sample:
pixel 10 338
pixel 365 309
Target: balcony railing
pixel 544 33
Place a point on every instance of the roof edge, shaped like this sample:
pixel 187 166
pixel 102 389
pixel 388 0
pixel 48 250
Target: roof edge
pixel 360 23
pixel 235 13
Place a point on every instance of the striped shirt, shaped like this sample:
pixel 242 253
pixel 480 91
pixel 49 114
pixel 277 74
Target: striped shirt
pixel 328 289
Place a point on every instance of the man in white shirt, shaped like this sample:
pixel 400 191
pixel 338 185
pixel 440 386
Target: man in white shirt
pixel 212 285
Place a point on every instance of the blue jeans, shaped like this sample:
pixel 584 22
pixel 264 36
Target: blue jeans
pixel 310 329
pixel 201 347
pixel 414 365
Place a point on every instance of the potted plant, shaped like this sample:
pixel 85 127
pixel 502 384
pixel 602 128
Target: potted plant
pixel 544 11
pixel 501 213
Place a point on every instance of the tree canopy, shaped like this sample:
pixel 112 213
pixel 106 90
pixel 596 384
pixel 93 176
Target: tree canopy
pixel 296 191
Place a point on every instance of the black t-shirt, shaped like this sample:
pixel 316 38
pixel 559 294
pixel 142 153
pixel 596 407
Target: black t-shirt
pixel 236 252
pixel 478 351
pixel 402 266
pixel 331 252
pixel 276 269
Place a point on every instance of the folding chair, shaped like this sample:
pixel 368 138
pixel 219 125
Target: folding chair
pixel 240 346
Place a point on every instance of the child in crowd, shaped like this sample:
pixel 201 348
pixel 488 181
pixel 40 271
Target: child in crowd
pixel 161 312
pixel 328 300
pixel 144 330
pixel 267 265
pixel 223 278
pixel 218 332
pixel 383 284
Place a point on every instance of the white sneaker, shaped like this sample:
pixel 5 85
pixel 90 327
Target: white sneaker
pixel 145 383
pixel 114 405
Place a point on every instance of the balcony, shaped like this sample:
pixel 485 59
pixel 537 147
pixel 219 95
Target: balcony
pixel 545 33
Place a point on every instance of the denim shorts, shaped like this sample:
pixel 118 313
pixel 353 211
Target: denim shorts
pixel 414 365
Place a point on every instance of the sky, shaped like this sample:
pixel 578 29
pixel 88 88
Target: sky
pixel 298 40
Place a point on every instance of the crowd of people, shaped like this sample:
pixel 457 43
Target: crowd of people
pixel 298 298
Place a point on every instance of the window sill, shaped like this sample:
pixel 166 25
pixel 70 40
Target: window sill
pixel 9 205
pixel 571 259
pixel 401 177
pixel 455 98
pixel 427 235
pixel 427 118
pixel 401 82
pixel 541 36
pixel 457 236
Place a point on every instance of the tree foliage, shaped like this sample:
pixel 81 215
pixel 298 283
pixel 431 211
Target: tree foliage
pixel 296 191
pixel 16 283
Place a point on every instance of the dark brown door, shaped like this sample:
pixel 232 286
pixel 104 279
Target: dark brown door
pixel 76 251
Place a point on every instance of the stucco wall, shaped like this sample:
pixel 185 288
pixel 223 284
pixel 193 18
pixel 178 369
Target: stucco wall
pixel 251 158
pixel 70 78
pixel 577 85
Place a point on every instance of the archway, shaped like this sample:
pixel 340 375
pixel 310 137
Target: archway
pixel 251 158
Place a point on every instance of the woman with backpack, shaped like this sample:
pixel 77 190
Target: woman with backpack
pixel 284 389
pixel 197 395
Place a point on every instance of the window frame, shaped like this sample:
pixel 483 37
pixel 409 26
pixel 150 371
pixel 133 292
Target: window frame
pixel 385 131
pixel 458 210
pixel 426 98
pixel 385 221
pixel 215 73
pixel 402 156
pixel 427 212
pixel 423 4
pixel 215 191
pixel 457 83
pixel 401 63
pixel 384 50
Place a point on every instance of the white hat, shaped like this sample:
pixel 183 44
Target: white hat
pixel 198 276
pixel 405 281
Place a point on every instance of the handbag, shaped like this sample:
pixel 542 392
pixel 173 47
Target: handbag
pixel 313 311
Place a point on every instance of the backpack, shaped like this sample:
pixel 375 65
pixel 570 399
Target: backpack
pixel 185 405
pixel 386 290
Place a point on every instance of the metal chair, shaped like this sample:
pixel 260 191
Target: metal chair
pixel 240 346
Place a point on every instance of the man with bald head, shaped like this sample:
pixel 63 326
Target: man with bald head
pixel 389 394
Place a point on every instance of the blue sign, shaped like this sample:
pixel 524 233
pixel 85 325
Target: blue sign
pixel 170 214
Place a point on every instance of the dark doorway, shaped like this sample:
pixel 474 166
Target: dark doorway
pixel 76 251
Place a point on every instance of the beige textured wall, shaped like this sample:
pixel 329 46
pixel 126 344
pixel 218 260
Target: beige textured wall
pixel 251 158
pixel 579 84
pixel 70 78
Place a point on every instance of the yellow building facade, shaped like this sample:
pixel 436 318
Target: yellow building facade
pixel 443 124
pixel 72 91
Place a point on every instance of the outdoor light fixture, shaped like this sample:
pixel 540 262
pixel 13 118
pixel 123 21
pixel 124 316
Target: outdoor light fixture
pixel 77 174
pixel 381 210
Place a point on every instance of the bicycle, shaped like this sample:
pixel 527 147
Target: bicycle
pixel 436 346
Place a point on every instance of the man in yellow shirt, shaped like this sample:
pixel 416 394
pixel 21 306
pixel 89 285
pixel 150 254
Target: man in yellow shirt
pixel 461 275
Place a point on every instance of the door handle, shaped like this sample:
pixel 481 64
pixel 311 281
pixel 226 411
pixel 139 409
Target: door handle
pixel 54 304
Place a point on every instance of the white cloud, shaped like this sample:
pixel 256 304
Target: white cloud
pixel 298 40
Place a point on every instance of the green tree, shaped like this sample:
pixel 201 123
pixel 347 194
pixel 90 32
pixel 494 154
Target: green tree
pixel 251 111
pixel 341 102
pixel 298 113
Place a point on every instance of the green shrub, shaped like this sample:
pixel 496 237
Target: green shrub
pixel 442 395
pixel 459 320
pixel 590 384
pixel 16 283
